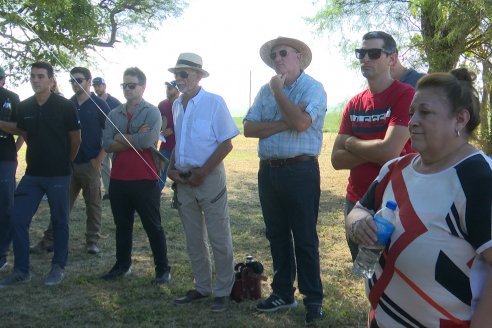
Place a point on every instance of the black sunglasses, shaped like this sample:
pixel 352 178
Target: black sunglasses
pixel 78 80
pixel 373 53
pixel 130 86
pixel 181 74
pixel 282 54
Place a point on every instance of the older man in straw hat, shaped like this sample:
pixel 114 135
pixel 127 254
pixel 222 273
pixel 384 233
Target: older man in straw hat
pixel 287 116
pixel 204 129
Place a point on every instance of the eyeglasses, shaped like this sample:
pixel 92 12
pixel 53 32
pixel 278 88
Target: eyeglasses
pixel 283 53
pixel 181 74
pixel 78 80
pixel 373 53
pixel 130 86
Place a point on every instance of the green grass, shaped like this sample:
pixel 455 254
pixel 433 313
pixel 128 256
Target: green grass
pixel 332 121
pixel 84 300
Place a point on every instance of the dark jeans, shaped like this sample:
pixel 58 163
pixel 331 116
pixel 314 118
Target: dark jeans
pixel 353 247
pixel 143 197
pixel 7 187
pixel 26 201
pixel 289 197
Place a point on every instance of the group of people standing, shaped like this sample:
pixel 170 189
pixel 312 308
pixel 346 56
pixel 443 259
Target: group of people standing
pixel 401 139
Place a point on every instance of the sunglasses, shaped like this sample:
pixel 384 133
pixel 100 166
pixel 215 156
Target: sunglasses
pixel 283 53
pixel 130 86
pixel 181 74
pixel 77 80
pixel 373 53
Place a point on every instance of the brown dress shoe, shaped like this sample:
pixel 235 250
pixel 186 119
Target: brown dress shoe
pixel 191 296
pixel 41 247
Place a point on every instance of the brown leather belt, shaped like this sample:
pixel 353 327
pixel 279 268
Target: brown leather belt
pixel 285 161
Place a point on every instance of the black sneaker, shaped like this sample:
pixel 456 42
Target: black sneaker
pixel 15 278
pixel 55 276
pixel 274 303
pixel 162 278
pixel 115 272
pixel 314 312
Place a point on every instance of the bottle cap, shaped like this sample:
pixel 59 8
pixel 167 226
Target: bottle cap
pixel 391 205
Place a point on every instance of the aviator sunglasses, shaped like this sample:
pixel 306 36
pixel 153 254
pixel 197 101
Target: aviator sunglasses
pixel 78 80
pixel 373 53
pixel 282 53
pixel 130 86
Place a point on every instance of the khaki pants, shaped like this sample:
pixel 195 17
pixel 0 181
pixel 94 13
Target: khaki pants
pixel 88 179
pixel 205 215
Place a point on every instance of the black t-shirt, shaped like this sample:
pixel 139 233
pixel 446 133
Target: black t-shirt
pixel 47 127
pixel 7 145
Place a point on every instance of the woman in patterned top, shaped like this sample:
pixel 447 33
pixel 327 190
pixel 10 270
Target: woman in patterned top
pixel 437 269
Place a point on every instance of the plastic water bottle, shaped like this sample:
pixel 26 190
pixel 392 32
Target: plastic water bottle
pixel 5 114
pixel 368 256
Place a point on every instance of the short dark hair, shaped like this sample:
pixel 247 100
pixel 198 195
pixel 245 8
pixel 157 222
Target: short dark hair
pixel 459 90
pixel 135 71
pixel 46 66
pixel 82 70
pixel 389 44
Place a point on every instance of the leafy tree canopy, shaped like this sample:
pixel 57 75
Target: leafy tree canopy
pixel 438 31
pixel 62 31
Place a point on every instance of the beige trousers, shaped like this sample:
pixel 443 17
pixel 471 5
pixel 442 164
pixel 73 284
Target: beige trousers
pixel 205 216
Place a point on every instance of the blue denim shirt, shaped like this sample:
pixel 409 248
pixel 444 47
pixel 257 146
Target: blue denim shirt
pixel 290 143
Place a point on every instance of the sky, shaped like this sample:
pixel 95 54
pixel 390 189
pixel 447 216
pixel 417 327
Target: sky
pixel 227 34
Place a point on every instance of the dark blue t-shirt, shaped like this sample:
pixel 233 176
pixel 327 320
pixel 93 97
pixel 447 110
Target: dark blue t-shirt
pixel 112 102
pixel 411 77
pixel 91 113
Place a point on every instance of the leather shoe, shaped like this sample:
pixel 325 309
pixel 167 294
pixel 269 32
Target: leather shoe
pixel 41 247
pixel 93 249
pixel 191 296
pixel 220 304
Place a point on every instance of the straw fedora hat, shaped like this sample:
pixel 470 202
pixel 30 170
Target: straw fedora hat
pixel 191 61
pixel 300 46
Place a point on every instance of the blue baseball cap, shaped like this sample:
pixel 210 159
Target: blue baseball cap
pixel 98 80
pixel 172 84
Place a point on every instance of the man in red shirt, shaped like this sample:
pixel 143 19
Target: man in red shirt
pixel 167 130
pixel 374 126
pixel 133 186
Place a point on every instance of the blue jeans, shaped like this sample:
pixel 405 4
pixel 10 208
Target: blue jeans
pixel 289 197
pixel 7 188
pixel 26 201
pixel 163 175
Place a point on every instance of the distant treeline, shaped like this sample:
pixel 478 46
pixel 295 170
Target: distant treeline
pixel 332 121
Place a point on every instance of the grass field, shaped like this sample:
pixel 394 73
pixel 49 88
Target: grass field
pixel 84 300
